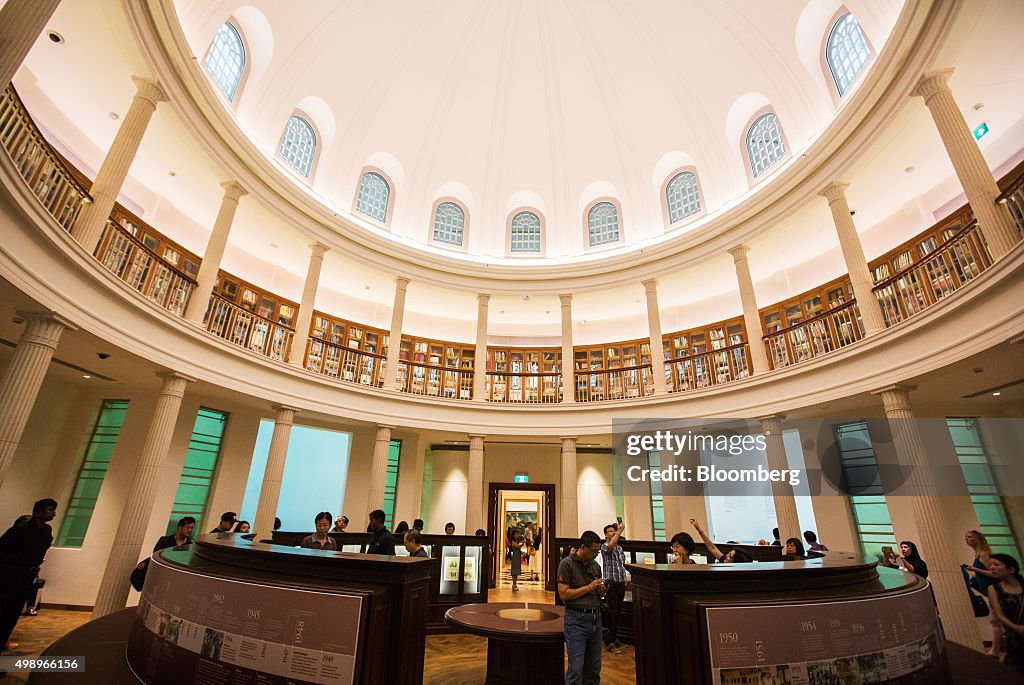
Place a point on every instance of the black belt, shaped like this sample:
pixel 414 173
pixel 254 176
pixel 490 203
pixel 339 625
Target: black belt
pixel 581 610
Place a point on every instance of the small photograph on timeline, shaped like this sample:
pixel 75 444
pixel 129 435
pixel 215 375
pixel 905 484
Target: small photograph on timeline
pixel 165 620
pixel 779 674
pixel 173 630
pixel 823 673
pixel 213 640
pixel 848 669
pixel 873 668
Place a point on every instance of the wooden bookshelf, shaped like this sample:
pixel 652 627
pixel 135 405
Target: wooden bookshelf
pixel 920 246
pixel 524 374
pixel 436 368
pixel 709 355
pixel 615 371
pixel 349 351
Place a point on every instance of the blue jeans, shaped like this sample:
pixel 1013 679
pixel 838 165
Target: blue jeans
pixel 583 644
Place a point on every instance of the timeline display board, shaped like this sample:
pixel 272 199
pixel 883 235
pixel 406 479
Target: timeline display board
pixel 193 628
pixel 880 640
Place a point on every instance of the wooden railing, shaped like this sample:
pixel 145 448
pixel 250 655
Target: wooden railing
pixel 821 334
pixel 343 363
pixel 247 329
pixel 524 388
pixel 600 385
pixel 435 381
pixel 1013 198
pixel 143 270
pixel 706 369
pixel 43 170
pixel 959 260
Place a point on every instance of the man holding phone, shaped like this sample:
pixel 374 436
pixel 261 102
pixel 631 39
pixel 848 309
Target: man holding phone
pixel 580 587
pixel 613 563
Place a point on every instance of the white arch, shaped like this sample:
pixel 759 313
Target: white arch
pixel 742 109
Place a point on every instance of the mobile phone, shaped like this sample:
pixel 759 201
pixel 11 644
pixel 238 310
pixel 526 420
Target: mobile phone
pixel 619 519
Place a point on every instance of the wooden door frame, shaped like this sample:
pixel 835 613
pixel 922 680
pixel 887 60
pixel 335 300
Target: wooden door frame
pixel 498 529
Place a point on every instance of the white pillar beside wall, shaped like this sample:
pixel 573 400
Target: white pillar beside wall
pixel 23 377
pixel 395 335
pixel 379 471
pixel 751 317
pixel 568 373
pixel 273 473
pixel 480 355
pixel 654 330
pixel 569 515
pixel 786 516
pixel 124 555
pixel 21 23
pixel 215 246
pixel 297 354
pixel 976 178
pixel 475 485
pixel 88 228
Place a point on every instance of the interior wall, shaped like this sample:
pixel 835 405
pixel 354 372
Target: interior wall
pixel 449 491
pixel 357 488
pixel 595 497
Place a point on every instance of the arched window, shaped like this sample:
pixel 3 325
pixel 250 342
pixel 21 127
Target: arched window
pixel 374 193
pixel 525 233
pixel 299 145
pixel 603 224
pixel 846 51
pixel 449 222
pixel 764 143
pixel 226 59
pixel 682 196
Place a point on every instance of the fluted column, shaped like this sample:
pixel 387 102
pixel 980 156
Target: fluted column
pixel 273 473
pixel 853 255
pixel 297 355
pixel 138 508
pixel 654 329
pixel 88 229
pixel 751 317
pixel 379 470
pixel 782 493
pixel 475 486
pixel 214 254
pixel 569 515
pixel 480 357
pixel 568 373
pixel 978 183
pixel 22 378
pixel 21 22
pixel 935 529
pixel 395 336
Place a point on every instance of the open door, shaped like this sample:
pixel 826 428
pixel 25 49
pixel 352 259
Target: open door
pixel 522 504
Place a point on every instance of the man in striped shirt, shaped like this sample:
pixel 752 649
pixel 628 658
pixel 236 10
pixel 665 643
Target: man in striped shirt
pixel 613 564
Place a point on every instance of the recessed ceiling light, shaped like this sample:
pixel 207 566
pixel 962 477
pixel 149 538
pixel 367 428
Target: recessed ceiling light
pixel 86 376
pixel 55 37
pixel 547 311
pixel 501 311
pixel 526 298
pixel 909 169
pixel 172 173
pixel 114 115
pixel 273 245
pixel 978 106
pixel 996 394
pixel 367 287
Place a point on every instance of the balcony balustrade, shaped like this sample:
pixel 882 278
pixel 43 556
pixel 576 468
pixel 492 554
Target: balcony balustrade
pixel 248 330
pixel 831 330
pixel 602 385
pixel 707 369
pixel 344 363
pixel 524 388
pixel 435 381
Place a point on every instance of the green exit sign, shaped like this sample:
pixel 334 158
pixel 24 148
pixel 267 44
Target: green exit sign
pixel 980 130
pixel 522 478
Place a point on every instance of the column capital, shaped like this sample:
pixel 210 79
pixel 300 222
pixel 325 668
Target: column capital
pixel 932 83
pixel 149 89
pixel 566 300
pixel 476 436
pixel 389 426
pixel 835 191
pixel 772 422
pixel 895 396
pixel 573 438
pixel 174 383
pixel 283 413
pixel 318 249
pixel 43 327
pixel 483 299
pixel 650 285
pixel 739 252
pixel 233 190
pixel 401 283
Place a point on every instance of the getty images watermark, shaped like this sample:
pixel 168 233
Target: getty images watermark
pixel 821 457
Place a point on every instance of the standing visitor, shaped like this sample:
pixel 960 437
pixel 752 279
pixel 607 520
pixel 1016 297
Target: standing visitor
pixel 320 539
pixel 581 587
pixel 516 550
pixel 981 581
pixel 22 549
pixel 613 565
pixel 182 535
pixel 340 524
pixel 227 519
pixel 812 542
pixel 449 528
pixel 1007 603
pixel 381 540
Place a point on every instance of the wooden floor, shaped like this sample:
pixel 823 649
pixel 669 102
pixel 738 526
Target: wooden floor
pixel 450 659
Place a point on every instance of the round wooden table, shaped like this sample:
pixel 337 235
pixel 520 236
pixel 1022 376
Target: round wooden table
pixel 524 640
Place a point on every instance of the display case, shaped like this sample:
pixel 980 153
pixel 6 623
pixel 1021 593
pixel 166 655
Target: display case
pixel 706 356
pixel 436 368
pixel 348 351
pixel 613 372
pixel 524 374
pixel 811 324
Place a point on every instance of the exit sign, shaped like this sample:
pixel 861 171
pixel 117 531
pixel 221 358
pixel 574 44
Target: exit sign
pixel 522 478
pixel 980 131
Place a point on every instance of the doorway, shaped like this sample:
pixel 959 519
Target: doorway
pixel 529 507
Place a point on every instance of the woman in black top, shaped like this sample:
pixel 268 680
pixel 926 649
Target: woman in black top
pixel 909 560
pixel 182 535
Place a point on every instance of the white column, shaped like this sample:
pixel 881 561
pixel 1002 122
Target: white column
pixel 568 373
pixel 214 254
pixel 23 377
pixel 21 22
pixel 480 362
pixel 138 508
pixel 978 183
pixel 935 528
pixel 88 228
pixel 379 471
pixel 297 354
pixel 782 493
pixel 853 255
pixel 569 515
pixel 751 317
pixel 654 329
pixel 475 486
pixel 395 336
pixel 273 473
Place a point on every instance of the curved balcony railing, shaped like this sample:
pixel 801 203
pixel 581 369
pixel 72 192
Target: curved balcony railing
pixel 958 261
pixel 43 170
pixel 524 388
pixel 246 329
pixel 705 369
pixel 1013 198
pixel 821 334
pixel 602 385
pixel 144 270
pixel 343 363
pixel 434 381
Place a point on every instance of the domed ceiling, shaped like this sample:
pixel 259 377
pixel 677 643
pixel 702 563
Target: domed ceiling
pixel 543 105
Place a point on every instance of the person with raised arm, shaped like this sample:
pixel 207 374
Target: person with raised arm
pixel 733 556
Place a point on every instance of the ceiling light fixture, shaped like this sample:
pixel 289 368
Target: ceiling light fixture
pixel 996 394
pixel 172 173
pixel 86 376
pixel 114 115
pixel 55 37
pixel 909 169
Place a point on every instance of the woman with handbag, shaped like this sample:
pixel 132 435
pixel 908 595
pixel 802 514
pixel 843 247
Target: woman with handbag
pixel 1006 597
pixel 980 579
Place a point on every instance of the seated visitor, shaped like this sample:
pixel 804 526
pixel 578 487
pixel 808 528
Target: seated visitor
pixel 449 528
pixel 1006 597
pixel 182 535
pixel 227 519
pixel 320 539
pixel 417 524
pixel 400 530
pixel 414 544
pixel 776 542
pixel 907 560
pixel 682 546
pixel 340 524
pixel 812 542
pixel 242 527
pixel 381 540
pixel 794 548
pixel 480 533
pixel 733 556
